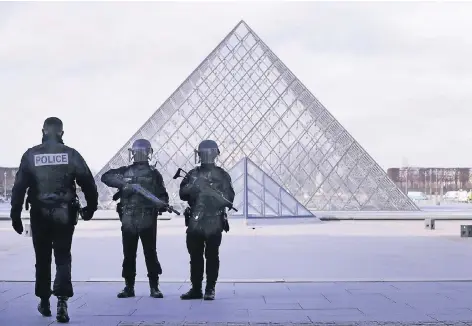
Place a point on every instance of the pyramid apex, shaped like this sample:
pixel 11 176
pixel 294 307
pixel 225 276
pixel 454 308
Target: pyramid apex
pixel 242 22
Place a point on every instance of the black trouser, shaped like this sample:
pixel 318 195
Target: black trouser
pixel 49 235
pixel 198 246
pixel 130 239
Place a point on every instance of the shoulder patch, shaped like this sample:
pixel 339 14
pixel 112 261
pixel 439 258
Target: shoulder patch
pixel 51 159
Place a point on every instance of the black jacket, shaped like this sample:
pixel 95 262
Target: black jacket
pixel 132 204
pixel 50 171
pixel 206 205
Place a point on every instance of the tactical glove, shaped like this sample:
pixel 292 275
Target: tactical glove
pixel 226 226
pixel 17 226
pixel 87 213
pixel 117 196
pixel 225 223
pixel 16 221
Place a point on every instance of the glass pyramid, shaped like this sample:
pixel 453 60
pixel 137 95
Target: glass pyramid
pixel 243 97
pixel 258 195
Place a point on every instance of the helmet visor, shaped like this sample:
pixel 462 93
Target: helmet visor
pixel 208 155
pixel 140 155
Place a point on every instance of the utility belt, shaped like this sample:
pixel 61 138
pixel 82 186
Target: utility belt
pixel 224 217
pixel 51 208
pixel 132 209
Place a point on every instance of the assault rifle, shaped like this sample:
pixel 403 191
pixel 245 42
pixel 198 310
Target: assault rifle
pixel 178 175
pixel 148 195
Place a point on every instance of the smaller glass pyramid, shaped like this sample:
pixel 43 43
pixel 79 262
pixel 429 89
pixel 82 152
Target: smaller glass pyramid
pixel 258 196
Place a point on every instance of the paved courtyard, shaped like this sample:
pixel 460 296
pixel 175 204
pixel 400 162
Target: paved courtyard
pixel 365 273
pixel 346 303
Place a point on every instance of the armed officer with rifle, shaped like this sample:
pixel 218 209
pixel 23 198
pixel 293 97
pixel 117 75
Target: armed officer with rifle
pixel 49 173
pixel 208 191
pixel 143 196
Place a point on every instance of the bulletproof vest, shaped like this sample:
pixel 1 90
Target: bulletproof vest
pixel 142 174
pixel 212 175
pixel 52 172
pixel 206 213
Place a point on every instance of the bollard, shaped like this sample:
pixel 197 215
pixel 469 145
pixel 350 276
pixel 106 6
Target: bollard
pixel 466 231
pixel 429 224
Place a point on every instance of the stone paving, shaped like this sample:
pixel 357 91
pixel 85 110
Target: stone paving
pixel 367 273
pixel 343 303
pixel 328 251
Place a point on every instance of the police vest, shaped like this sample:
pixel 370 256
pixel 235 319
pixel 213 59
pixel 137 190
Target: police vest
pixel 52 172
pixel 145 177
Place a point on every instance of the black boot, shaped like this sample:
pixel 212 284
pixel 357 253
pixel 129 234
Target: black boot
pixel 193 294
pixel 128 291
pixel 62 314
pixel 44 307
pixel 155 292
pixel 209 292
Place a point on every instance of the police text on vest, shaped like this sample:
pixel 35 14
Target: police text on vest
pixel 51 159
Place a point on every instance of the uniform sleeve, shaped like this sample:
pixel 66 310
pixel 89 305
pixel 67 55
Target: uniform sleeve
pixel 228 187
pixel 160 190
pixel 85 180
pixel 22 183
pixel 186 187
pixel 114 177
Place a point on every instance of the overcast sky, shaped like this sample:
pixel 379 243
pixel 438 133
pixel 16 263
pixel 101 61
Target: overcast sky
pixel 398 76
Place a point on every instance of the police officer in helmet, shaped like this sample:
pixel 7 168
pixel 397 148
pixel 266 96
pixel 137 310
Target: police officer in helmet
pixel 138 215
pixel 49 172
pixel 208 191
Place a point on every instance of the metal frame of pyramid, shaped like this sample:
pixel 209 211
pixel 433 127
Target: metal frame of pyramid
pixel 257 195
pixel 252 105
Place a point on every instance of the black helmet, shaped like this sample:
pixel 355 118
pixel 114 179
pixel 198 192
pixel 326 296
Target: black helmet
pixel 141 151
pixel 207 152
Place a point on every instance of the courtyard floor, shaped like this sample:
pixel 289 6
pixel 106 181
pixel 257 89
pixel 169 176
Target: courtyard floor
pixel 346 273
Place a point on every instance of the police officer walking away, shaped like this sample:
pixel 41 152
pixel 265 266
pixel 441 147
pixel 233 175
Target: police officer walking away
pixel 49 172
pixel 208 191
pixel 138 215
